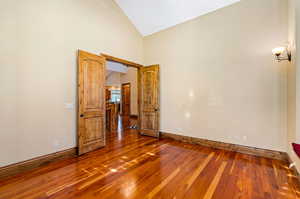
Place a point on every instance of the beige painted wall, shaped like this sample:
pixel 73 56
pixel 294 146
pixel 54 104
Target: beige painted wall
pixel 131 77
pixel 219 80
pixel 39 41
pixel 293 80
pixel 8 83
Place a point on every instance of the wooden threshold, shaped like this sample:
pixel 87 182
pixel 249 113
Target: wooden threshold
pixel 122 61
pixel 278 155
pixel 14 169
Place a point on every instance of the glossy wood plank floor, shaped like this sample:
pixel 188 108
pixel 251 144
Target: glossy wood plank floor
pixel 133 166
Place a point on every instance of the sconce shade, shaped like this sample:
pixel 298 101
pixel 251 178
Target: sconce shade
pixel 278 51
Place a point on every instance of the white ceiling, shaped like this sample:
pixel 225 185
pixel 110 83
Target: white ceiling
pixel 116 67
pixel 150 16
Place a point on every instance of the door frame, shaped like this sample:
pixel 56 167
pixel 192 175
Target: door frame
pixel 134 65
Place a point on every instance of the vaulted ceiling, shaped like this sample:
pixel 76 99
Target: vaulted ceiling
pixel 150 16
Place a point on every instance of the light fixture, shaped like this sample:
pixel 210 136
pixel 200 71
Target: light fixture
pixel 279 51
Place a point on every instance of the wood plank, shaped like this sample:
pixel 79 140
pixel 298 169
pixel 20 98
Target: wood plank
pixel 163 184
pixel 198 171
pixel 212 188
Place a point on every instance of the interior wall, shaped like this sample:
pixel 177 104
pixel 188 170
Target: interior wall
pixel 39 43
pixel 293 80
pixel 113 79
pixel 219 78
pixel 131 77
pixel 8 83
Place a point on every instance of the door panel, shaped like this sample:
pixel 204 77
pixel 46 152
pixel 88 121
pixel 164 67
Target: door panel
pixel 149 102
pixel 91 98
pixel 126 100
pixel 93 126
pixel 92 85
pixel 150 120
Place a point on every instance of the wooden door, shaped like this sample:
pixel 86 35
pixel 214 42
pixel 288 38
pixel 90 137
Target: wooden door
pixel 125 92
pixel 149 101
pixel 91 98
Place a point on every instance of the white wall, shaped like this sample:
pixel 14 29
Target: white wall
pixel 113 79
pixel 39 41
pixel 219 80
pixel 131 77
pixel 294 80
pixel 9 55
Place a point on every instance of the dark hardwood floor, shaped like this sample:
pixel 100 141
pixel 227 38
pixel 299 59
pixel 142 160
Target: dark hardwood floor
pixel 134 166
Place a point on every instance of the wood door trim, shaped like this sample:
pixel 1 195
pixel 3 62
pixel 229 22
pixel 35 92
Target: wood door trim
pixel 27 165
pixel 128 83
pixel 122 61
pixel 139 67
pixel 134 65
pixel 139 99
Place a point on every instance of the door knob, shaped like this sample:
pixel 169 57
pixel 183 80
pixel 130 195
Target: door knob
pixel 81 115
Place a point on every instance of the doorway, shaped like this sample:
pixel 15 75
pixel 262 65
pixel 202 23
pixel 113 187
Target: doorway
pixel 121 97
pixel 107 108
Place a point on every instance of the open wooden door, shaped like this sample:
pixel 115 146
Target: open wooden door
pixel 126 100
pixel 149 100
pixel 91 99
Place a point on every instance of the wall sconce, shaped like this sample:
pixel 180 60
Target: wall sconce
pixel 279 51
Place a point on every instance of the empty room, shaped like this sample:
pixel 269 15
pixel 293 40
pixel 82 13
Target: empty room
pixel 134 99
